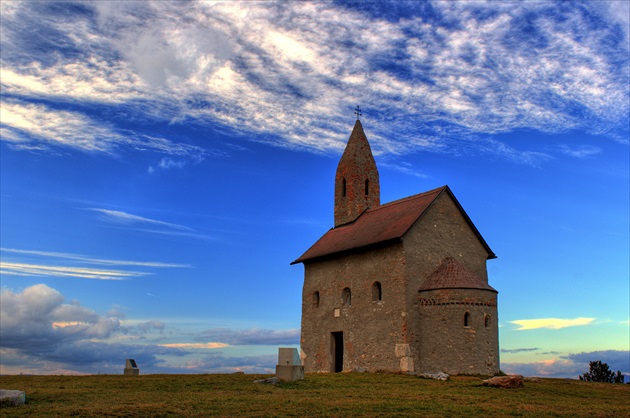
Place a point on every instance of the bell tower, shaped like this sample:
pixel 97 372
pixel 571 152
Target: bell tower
pixel 356 181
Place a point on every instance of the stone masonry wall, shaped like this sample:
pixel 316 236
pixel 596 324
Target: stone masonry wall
pixel 451 343
pixel 443 232
pixel 372 329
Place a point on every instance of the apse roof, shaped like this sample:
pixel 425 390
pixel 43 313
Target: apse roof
pixel 451 274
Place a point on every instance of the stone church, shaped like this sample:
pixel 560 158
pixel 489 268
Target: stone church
pixel 399 287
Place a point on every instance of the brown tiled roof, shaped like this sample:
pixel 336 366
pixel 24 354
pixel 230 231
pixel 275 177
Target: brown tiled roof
pixel 453 275
pixel 381 224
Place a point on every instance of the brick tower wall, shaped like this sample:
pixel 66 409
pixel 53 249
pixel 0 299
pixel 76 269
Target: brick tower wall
pixel 357 185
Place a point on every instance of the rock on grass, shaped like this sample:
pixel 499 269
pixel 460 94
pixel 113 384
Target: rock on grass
pixel 12 397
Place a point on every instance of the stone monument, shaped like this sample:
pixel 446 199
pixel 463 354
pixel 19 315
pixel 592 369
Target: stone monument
pixel 289 368
pixel 131 368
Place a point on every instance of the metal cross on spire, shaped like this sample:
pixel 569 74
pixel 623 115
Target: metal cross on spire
pixel 357 112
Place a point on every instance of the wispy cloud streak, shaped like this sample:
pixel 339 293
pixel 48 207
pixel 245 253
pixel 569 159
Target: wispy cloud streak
pixel 25 269
pixel 55 264
pixel 91 260
pixel 140 223
pixel 196 345
pixel 127 218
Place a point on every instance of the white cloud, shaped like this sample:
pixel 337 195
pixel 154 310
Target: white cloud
pixel 41 334
pixel 551 323
pixel 579 151
pixel 196 345
pixel 290 73
pixel 128 218
pixel 28 269
pixel 55 264
pixel 22 123
pixel 254 336
pixel 143 224
pixel 545 368
pixel 404 168
pixel 91 260
pixel 34 316
pixel 570 365
pixel 35 127
pixel 167 163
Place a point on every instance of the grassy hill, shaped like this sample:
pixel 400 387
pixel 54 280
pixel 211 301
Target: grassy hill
pixel 334 395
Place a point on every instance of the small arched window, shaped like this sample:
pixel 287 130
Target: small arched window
pixel 343 188
pixel 316 299
pixel 367 187
pixel 377 292
pixel 346 297
pixel 486 320
pixel 466 319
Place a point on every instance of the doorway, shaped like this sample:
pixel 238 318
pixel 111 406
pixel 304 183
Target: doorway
pixel 337 351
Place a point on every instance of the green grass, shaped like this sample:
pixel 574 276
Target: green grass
pixel 326 395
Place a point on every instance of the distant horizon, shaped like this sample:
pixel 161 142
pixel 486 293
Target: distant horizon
pixel 163 163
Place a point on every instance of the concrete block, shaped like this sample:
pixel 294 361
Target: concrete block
pixel 131 368
pixel 289 373
pixel 289 357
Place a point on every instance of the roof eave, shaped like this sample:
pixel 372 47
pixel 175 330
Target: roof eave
pixel 347 251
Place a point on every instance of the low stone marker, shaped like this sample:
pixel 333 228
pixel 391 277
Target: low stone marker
pixel 12 397
pixel 508 382
pixel 269 380
pixel 289 368
pixel 131 368
pixel 435 376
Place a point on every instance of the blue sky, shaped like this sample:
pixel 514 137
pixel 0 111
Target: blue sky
pixel 162 163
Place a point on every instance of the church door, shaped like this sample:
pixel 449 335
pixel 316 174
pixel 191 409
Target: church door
pixel 337 351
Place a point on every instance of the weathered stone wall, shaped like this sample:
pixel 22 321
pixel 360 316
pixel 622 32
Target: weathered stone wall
pixel 443 232
pixel 450 343
pixel 372 329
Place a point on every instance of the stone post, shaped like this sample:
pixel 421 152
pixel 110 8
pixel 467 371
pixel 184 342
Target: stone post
pixel 289 368
pixel 131 368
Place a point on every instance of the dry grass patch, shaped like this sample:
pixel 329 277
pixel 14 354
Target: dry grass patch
pixel 326 395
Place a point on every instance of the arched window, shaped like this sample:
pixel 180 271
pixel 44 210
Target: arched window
pixel 377 292
pixel 466 319
pixel 346 297
pixel 367 187
pixel 486 320
pixel 343 188
pixel 316 299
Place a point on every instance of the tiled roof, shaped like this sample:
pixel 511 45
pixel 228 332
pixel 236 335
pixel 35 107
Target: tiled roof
pixel 380 224
pixel 453 275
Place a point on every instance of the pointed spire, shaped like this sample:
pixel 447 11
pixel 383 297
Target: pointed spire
pixel 356 181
